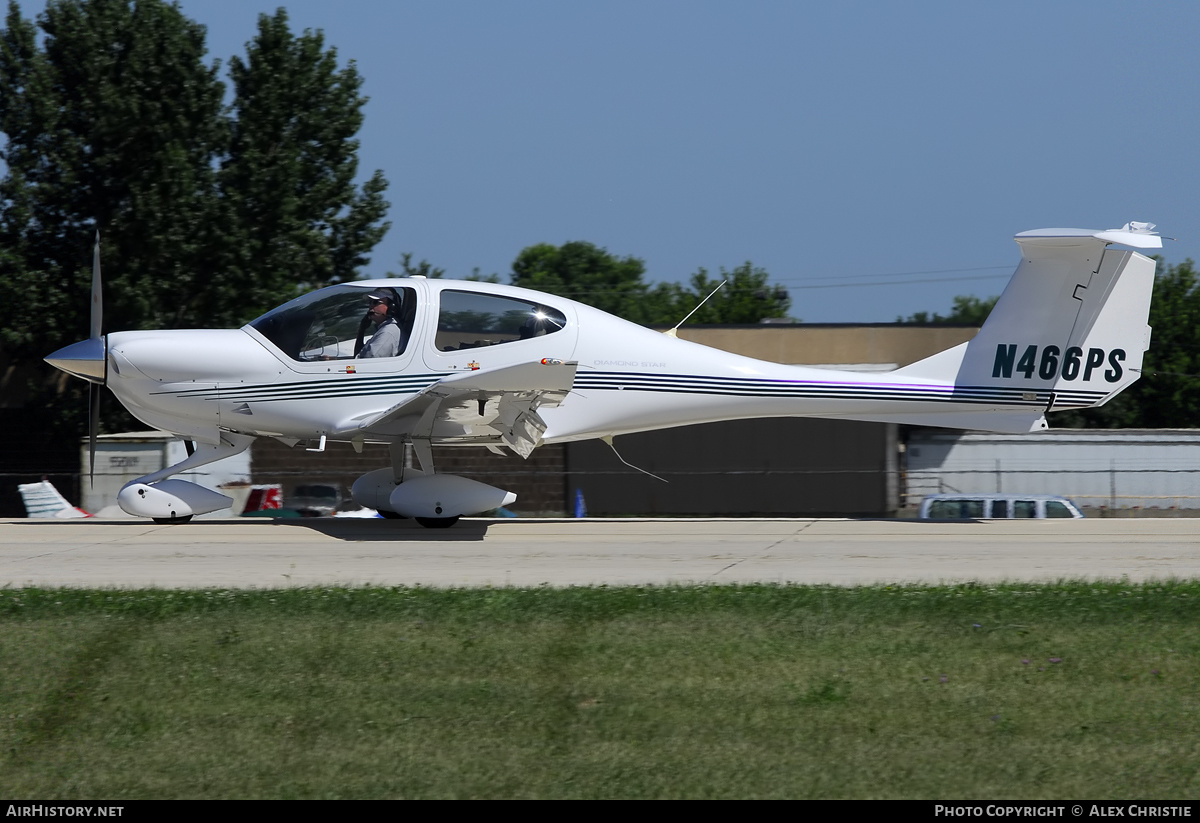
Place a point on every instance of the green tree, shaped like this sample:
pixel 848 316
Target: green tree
pixel 1168 393
pixel 587 273
pixel 426 269
pixel 289 175
pixel 112 122
pixel 746 297
pixel 112 119
pixel 968 310
pixel 422 269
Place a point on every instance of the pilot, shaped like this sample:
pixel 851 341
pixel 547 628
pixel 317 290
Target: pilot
pixel 385 342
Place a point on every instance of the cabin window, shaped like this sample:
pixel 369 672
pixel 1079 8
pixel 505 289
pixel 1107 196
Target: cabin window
pixel 1056 508
pixel 956 509
pixel 469 320
pixel 328 324
pixel 1024 508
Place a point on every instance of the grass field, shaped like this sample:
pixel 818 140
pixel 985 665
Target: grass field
pixel 1049 692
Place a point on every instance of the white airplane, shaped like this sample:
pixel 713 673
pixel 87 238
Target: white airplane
pixel 505 368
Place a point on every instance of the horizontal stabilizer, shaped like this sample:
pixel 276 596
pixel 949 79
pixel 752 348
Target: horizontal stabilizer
pixel 1134 235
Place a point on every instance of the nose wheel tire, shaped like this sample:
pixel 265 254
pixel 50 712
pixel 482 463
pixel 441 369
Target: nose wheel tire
pixel 172 521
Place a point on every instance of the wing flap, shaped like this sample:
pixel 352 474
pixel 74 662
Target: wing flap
pixel 493 407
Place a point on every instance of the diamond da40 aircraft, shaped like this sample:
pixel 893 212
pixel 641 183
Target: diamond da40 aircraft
pixel 505 368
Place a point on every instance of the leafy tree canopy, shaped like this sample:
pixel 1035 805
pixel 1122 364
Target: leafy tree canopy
pixel 584 272
pixel 292 161
pixel 968 310
pixel 1168 394
pixel 746 297
pixel 112 120
pixel 426 269
pixel 423 269
pixel 589 274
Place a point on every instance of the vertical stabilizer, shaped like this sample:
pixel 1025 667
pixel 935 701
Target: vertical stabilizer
pixel 1070 328
pixel 42 500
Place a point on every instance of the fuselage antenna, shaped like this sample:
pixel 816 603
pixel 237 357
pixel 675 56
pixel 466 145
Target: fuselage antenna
pixel 674 332
pixel 608 438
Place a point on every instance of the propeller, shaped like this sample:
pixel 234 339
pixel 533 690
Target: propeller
pixel 95 390
pixel 88 359
pixel 97 294
pixel 93 427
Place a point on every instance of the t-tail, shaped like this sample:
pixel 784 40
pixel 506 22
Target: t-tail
pixel 1069 331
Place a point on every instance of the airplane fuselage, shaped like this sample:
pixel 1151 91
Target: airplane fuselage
pixel 629 379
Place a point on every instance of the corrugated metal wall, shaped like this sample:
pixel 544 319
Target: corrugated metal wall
pixel 1118 469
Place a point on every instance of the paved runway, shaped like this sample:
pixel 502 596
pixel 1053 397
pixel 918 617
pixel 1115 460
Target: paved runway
pixel 303 552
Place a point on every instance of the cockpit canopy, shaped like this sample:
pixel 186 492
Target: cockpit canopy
pixel 332 323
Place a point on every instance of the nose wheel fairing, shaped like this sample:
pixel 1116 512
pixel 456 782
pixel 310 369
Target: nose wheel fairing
pixel 164 500
pixel 170 500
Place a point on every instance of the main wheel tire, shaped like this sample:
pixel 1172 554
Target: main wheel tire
pixel 437 522
pixel 391 515
pixel 172 521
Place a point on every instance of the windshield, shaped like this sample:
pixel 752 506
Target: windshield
pixel 331 324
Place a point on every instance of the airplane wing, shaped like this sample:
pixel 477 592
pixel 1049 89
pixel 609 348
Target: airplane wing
pixel 490 408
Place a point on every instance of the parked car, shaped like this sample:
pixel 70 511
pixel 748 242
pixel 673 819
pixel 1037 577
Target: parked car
pixel 315 500
pixel 996 507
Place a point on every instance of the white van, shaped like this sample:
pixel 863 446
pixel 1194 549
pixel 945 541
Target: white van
pixel 996 507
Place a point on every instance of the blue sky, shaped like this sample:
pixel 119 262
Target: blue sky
pixel 834 144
